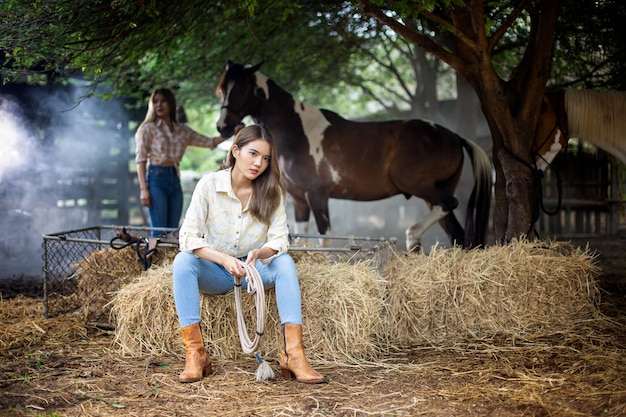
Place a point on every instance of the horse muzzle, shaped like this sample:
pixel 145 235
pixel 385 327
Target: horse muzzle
pixel 226 131
pixel 227 123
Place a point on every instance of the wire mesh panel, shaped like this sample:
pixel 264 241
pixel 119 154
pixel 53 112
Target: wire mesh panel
pixel 63 251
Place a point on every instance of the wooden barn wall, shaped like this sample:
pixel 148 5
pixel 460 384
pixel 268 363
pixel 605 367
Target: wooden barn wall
pixel 590 201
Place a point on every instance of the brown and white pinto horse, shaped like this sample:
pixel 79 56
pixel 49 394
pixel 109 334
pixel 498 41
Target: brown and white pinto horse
pixel 323 155
pixel 597 117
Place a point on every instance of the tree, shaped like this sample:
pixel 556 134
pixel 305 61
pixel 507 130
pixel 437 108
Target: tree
pixel 467 35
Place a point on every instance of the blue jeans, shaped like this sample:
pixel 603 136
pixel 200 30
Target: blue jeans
pixel 193 276
pixel 166 197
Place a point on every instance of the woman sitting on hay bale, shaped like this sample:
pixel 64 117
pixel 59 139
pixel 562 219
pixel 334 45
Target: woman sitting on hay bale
pixel 236 216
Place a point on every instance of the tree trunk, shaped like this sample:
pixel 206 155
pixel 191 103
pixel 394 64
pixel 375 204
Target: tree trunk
pixel 511 109
pixel 514 177
pixel 466 109
pixel 429 85
pixel 424 104
pixel 513 196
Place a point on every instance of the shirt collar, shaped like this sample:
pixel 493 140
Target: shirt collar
pixel 223 183
pixel 160 123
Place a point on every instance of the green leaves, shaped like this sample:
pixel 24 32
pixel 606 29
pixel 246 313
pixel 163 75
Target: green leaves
pixel 136 46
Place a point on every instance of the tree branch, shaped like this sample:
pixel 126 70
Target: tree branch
pixel 499 33
pixel 418 39
pixel 534 69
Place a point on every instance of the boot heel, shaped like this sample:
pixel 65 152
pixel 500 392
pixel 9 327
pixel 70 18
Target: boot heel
pixel 207 370
pixel 287 373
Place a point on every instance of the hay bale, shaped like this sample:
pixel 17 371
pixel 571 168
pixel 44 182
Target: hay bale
pixel 342 308
pixel 103 272
pixel 523 289
pixel 352 314
pixel 341 313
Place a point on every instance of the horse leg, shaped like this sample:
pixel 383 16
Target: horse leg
pixel 302 213
pixel 441 210
pixel 319 206
pixel 415 232
pixel 453 229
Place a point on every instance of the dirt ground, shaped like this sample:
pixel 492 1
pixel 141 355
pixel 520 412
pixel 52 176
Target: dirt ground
pixel 61 367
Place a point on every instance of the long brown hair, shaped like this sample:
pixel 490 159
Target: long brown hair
pixel 268 189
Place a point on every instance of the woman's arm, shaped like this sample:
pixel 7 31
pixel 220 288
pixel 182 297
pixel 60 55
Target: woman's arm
pixel 142 152
pixel 231 264
pixel 259 254
pixel 277 234
pixel 193 138
pixel 144 192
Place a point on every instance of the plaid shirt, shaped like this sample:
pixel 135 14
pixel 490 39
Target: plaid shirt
pixel 216 219
pixel 157 144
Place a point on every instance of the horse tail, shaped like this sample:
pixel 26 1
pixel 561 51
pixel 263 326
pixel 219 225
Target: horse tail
pixel 479 204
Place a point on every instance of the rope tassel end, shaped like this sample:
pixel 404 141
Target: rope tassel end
pixel 264 372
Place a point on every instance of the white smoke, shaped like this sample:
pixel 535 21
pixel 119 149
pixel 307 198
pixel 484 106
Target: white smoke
pixel 14 141
pixel 50 141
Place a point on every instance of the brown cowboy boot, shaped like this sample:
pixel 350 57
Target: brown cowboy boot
pixel 292 360
pixel 197 361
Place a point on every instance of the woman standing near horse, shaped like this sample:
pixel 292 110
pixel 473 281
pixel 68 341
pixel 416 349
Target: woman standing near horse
pixel 161 141
pixel 237 216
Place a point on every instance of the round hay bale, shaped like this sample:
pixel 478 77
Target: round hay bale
pixel 103 272
pixel 523 289
pixel 341 312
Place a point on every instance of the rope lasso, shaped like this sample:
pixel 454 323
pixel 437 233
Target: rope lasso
pixel 137 241
pixel 255 286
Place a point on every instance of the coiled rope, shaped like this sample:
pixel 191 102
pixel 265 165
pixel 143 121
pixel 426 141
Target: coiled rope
pixel 255 286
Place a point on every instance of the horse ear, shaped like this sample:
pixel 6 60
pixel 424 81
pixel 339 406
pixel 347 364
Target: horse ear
pixel 256 67
pixel 228 64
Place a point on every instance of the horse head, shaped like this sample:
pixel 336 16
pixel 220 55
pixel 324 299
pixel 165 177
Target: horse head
pixel 551 131
pixel 236 90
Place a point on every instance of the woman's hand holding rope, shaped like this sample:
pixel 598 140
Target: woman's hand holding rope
pixel 236 267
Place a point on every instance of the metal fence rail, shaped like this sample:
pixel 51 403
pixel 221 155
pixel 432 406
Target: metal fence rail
pixel 64 250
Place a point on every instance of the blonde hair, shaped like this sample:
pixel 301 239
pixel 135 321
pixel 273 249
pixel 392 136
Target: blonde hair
pixel 268 188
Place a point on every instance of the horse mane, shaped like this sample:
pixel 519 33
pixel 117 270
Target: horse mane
pixel 598 117
pixel 218 89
